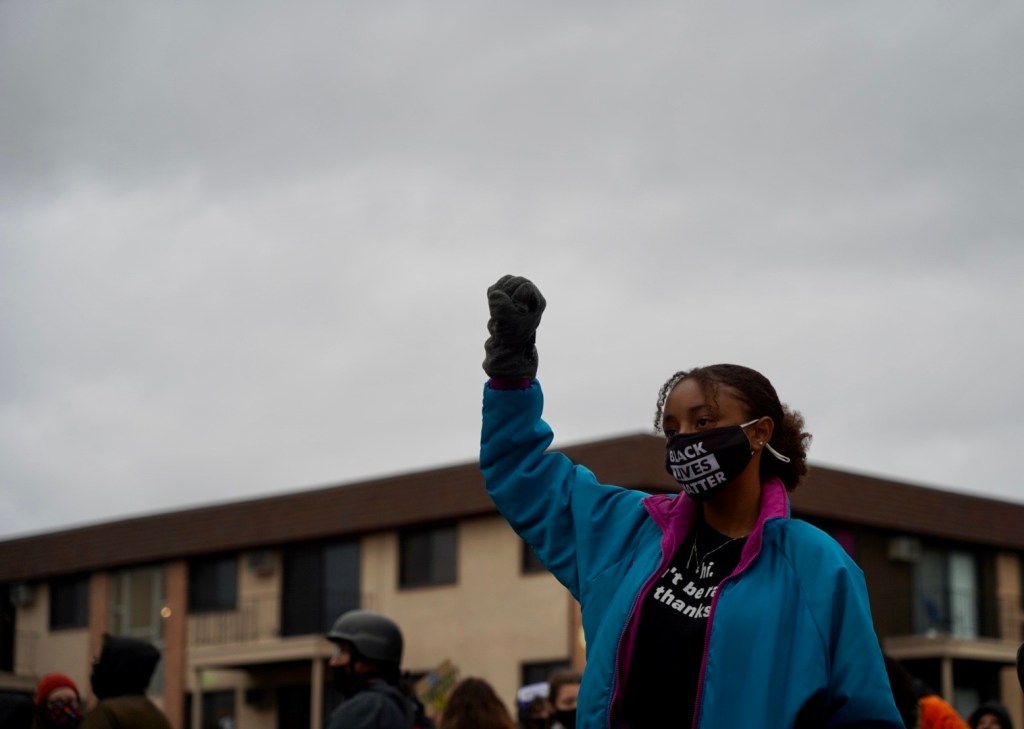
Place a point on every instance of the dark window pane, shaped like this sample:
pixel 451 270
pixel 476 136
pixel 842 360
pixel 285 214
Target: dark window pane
pixel 293 707
pixel 443 561
pixel 321 581
pixel 7 618
pixel 539 671
pixel 341 581
pixel 69 602
pixel 427 557
pixel 300 613
pixel 218 710
pixel 213 584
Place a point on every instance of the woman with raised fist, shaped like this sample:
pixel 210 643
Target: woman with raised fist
pixel 709 608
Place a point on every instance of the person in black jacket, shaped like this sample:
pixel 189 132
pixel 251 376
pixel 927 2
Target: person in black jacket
pixel 16 710
pixel 119 679
pixel 365 670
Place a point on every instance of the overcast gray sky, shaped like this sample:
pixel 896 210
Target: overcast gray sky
pixel 244 246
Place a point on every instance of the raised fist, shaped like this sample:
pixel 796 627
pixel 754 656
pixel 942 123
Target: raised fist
pixel 516 305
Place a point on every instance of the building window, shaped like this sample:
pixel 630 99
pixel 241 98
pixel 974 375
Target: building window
pixel 137 609
pixel 69 602
pixel 7 618
pixel 540 671
pixel 213 584
pixel 946 593
pixel 427 556
pixel 531 563
pixel 321 581
pixel 218 710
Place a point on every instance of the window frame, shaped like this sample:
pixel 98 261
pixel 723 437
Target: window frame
pixel 204 600
pixel 531 672
pixel 65 590
pixel 435 547
pixel 310 599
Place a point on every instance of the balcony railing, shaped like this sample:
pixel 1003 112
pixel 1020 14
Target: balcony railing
pixel 255 619
pixel 270 617
pixel 964 614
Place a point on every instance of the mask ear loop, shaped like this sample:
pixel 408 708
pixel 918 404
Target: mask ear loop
pixel 784 459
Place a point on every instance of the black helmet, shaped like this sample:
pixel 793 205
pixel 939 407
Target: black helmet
pixel 373 635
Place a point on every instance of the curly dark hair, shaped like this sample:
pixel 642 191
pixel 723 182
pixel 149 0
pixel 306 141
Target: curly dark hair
pixel 474 704
pixel 755 391
pixel 558 679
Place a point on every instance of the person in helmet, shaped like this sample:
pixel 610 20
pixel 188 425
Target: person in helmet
pixel 365 670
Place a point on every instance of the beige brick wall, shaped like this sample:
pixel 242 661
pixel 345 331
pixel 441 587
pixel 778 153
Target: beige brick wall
pixel 39 651
pixel 489 623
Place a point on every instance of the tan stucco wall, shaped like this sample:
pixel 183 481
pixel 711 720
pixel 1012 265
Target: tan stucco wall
pixel 39 651
pixel 261 589
pixel 488 624
pixel 1008 594
pixel 1009 590
pixel 1012 698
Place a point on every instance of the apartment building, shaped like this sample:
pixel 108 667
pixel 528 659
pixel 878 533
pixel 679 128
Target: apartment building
pixel 238 595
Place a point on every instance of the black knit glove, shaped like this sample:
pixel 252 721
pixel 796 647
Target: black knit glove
pixel 516 305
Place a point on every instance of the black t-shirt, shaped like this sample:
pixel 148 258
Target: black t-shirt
pixel 661 688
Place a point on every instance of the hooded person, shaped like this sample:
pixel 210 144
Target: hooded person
pixel 365 669
pixel 58 704
pixel 120 677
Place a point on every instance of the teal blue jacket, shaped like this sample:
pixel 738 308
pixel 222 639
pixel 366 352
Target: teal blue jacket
pixel 790 637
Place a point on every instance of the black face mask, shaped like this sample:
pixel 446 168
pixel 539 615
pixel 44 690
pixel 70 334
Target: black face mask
pixel 565 717
pixel 59 715
pixel 345 680
pixel 702 463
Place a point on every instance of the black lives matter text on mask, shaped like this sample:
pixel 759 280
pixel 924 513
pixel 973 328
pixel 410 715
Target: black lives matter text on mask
pixel 694 468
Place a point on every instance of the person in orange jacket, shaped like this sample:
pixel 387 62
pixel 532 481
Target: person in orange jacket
pixel 936 713
pixel 919 706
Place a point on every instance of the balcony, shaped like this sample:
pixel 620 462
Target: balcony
pixel 953 617
pixel 256 619
pixel 266 629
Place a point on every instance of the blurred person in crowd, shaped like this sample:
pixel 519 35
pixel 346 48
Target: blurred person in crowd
pixel 903 693
pixel 57 703
pixel 119 679
pixel 474 704
pixel 935 711
pixel 366 671
pixel 535 713
pixel 16 710
pixel 533 710
pixel 1020 666
pixel 564 687
pixel 990 715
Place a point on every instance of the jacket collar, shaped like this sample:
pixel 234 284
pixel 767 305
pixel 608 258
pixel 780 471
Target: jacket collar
pixel 676 514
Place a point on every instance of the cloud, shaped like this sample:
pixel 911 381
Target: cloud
pixel 245 247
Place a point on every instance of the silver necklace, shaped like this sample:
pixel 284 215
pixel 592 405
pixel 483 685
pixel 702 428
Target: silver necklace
pixel 703 566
